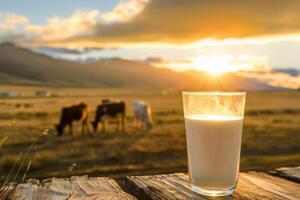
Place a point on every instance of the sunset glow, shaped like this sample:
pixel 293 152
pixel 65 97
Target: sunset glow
pixel 216 64
pixel 243 43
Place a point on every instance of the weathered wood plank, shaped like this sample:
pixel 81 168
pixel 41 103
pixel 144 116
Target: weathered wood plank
pixel 73 188
pixel 291 173
pixel 252 185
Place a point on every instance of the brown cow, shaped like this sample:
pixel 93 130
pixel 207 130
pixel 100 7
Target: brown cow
pixel 69 114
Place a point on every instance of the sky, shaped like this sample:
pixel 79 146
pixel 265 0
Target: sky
pixel 39 11
pixel 213 35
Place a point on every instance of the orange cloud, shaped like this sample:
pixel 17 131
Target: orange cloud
pixel 61 28
pixel 177 21
pixel 278 79
pixel 168 21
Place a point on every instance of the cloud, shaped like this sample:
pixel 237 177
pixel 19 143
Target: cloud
pixel 124 11
pixel 274 78
pixel 177 21
pixel 12 28
pixel 84 24
pixel 57 29
pixel 10 21
pixel 168 21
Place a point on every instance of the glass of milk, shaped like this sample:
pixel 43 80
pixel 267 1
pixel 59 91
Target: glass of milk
pixel 214 123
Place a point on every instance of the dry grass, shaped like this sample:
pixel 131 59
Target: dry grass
pixel 271 134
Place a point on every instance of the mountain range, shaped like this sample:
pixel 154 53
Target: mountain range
pixel 19 65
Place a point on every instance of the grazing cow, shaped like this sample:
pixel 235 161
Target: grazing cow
pixel 77 112
pixel 142 113
pixel 109 109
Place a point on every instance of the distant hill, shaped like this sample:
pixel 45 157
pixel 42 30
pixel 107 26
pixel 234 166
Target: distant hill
pixel 22 66
pixel 29 66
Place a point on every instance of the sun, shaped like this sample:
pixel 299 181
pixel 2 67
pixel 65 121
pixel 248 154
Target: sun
pixel 215 65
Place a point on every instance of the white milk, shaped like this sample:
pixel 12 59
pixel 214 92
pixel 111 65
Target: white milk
pixel 214 144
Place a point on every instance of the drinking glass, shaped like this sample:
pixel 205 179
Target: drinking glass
pixel 214 124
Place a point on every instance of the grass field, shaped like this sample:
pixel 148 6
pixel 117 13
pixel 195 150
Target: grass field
pixel 271 135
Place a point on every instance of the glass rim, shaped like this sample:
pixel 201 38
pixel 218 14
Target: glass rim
pixel 213 93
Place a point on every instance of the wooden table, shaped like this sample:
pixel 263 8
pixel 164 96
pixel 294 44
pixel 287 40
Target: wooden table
pixel 283 183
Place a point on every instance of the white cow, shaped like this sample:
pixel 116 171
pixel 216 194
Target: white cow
pixel 142 113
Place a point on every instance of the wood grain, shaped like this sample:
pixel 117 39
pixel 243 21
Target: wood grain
pixel 252 185
pixel 73 188
pixel 291 173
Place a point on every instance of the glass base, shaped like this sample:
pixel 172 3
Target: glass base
pixel 206 192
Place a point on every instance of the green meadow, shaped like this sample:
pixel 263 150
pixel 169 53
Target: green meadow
pixel 271 134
